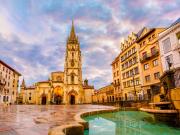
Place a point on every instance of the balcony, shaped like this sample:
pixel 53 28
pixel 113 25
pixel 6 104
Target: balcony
pixel 116 84
pixel 154 53
pixel 149 56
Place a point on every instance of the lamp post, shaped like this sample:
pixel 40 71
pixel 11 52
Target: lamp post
pixel 169 63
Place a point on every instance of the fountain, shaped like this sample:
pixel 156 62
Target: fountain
pixel 168 108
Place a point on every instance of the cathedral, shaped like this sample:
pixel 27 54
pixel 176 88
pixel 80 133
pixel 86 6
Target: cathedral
pixel 62 87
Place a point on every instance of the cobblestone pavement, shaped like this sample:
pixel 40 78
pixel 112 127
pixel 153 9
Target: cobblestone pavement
pixel 38 119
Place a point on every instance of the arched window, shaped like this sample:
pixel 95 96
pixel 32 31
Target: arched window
pixel 72 54
pixel 72 79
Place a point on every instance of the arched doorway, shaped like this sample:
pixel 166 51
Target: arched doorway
pixel 57 95
pixel 58 99
pixel 72 99
pixel 72 95
pixel 43 100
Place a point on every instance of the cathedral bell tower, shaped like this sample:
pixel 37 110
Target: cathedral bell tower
pixel 73 70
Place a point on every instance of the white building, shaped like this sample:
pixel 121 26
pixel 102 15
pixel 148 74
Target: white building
pixel 9 80
pixel 169 43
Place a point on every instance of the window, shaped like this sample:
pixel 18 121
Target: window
pixel 129 52
pixel 128 83
pixel 146 66
pixel 153 50
pixel 72 54
pixel 133 50
pixel 118 81
pixel 116 65
pixel 137 82
pixel 156 75
pixel 131 72
pixel 124 84
pixel 166 45
pixel 144 55
pixel 144 42
pixel 72 79
pixel 136 70
pixel 29 98
pixel 130 62
pixel 122 66
pixel 123 75
pixel 58 78
pixel 178 37
pixel 127 74
pixel 147 78
pixel 117 73
pixel 155 62
pixel 149 39
pixel 4 98
pixel 140 44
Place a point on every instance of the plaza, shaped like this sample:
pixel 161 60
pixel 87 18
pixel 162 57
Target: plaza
pixel 89 67
pixel 39 119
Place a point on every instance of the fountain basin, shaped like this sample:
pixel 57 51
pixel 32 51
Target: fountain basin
pixel 167 116
pixel 160 103
pixel 159 111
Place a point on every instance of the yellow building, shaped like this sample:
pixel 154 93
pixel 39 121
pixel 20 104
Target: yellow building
pixel 150 61
pixel 116 78
pixel 130 68
pixel 104 94
pixel 62 87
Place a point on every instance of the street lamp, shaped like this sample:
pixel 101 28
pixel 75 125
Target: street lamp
pixel 169 63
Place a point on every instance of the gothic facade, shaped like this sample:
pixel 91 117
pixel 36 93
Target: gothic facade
pixel 62 87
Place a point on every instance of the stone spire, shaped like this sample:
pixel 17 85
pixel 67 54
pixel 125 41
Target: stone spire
pixel 23 83
pixel 72 38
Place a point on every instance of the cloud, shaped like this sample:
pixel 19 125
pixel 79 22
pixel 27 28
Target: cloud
pixel 33 33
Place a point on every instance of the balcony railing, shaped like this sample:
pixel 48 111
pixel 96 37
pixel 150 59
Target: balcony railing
pixel 116 84
pixel 149 56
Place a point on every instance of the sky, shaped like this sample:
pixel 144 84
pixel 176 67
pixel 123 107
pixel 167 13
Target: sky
pixel 33 33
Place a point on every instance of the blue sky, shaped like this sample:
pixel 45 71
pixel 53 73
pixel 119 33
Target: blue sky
pixel 33 33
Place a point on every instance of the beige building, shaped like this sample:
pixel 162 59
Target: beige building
pixel 9 81
pixel 150 60
pixel 62 87
pixel 117 78
pixel 130 68
pixel 104 94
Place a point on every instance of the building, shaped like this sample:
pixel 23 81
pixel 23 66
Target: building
pixel 62 87
pixel 116 78
pixel 169 43
pixel 9 81
pixel 104 94
pixel 130 68
pixel 150 61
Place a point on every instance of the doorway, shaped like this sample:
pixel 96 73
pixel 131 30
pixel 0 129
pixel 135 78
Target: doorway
pixel 58 100
pixel 43 100
pixel 72 99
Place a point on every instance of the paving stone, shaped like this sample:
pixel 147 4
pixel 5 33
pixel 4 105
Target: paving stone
pixel 20 119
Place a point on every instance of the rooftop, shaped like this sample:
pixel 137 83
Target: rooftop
pixel 5 64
